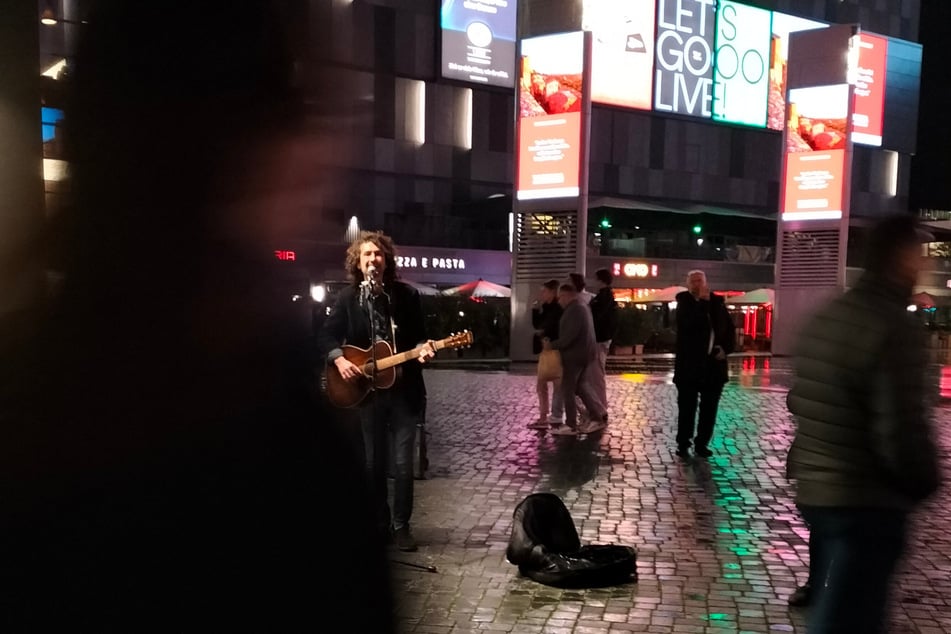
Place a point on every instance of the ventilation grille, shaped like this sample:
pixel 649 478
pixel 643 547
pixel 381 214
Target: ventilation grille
pixel 546 244
pixel 809 258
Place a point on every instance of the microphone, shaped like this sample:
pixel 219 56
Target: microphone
pixel 371 274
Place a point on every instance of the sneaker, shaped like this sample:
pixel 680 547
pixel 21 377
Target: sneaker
pixel 554 421
pixel 683 452
pixel 404 539
pixel 564 430
pixel 541 423
pixel 702 452
pixel 800 596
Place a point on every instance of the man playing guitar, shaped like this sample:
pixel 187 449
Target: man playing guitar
pixel 380 314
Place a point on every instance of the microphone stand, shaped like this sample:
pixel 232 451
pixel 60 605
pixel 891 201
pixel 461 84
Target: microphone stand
pixel 366 288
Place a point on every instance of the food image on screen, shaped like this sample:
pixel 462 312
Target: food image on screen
pixel 807 134
pixel 542 94
pixel 817 118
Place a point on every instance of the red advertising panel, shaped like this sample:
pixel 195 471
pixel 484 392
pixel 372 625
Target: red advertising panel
pixel 814 161
pixel 622 51
pixel 549 123
pixel 869 80
pixel 814 182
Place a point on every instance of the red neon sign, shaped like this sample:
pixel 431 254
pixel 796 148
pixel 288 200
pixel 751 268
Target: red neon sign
pixel 286 256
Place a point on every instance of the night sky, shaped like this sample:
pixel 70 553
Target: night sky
pixel 931 166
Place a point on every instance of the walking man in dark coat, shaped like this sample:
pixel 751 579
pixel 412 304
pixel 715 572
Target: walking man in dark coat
pixel 704 338
pixel 863 457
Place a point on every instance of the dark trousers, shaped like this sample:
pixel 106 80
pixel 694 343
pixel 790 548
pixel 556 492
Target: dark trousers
pixel 687 394
pixel 856 551
pixel 389 430
pixel 573 382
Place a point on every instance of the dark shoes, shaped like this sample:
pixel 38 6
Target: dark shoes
pixel 801 596
pixel 683 452
pixel 702 452
pixel 404 540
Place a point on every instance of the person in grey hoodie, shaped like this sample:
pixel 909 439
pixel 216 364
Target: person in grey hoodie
pixel 579 355
pixel 863 456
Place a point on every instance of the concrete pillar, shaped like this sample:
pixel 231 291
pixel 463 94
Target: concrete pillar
pixel 21 160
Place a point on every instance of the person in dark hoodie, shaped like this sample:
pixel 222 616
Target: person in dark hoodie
pixel 863 456
pixel 604 312
pixel 704 338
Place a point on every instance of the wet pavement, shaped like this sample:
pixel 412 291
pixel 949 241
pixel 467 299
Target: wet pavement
pixel 719 542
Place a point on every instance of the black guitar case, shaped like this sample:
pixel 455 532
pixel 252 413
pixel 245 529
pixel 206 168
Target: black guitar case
pixel 544 544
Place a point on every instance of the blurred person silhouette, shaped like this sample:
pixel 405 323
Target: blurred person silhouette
pixel 863 456
pixel 604 312
pixel 546 314
pixel 377 307
pixel 594 385
pixel 166 465
pixel 577 280
pixel 704 339
pixel 578 354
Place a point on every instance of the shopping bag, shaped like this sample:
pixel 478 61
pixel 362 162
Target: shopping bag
pixel 549 365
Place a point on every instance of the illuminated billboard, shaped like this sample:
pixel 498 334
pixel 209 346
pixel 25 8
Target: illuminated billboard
pixel 869 78
pixel 741 73
pixel 622 51
pixel 814 160
pixel 478 41
pixel 683 75
pixel 551 92
pixel 783 25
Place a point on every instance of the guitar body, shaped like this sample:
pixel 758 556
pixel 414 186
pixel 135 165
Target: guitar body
pixel 343 393
pixel 378 365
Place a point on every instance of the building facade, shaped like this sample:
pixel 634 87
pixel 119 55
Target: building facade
pixel 429 160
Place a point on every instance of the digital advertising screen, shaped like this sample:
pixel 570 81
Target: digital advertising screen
pixel 869 94
pixel 683 61
pixel 814 161
pixel 622 51
pixel 783 25
pixel 741 73
pixel 551 92
pixel 49 118
pixel 479 41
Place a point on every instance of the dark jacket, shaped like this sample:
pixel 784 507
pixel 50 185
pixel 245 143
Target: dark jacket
pixel 604 312
pixel 695 319
pixel 545 317
pixel 576 335
pixel 348 323
pixel 860 401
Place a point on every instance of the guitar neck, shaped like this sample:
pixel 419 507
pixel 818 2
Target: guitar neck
pixel 402 357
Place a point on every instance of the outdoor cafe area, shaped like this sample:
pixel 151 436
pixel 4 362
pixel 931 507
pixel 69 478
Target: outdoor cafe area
pixel 651 315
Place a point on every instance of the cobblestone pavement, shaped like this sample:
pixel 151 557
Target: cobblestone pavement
pixel 719 543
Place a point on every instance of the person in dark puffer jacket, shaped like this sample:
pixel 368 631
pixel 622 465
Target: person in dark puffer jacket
pixel 863 455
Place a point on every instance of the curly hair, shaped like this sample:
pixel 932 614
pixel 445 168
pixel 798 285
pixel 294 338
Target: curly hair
pixel 382 242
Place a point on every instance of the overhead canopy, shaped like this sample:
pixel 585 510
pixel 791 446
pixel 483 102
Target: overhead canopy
pixel 674 207
pixel 479 288
pixel 757 296
pixel 424 289
pixel 664 295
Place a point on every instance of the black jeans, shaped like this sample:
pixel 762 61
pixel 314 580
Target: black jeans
pixel 687 394
pixel 856 551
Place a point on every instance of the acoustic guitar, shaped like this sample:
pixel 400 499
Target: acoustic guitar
pixel 378 375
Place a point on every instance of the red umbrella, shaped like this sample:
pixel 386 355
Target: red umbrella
pixel 479 288
pixel 923 299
